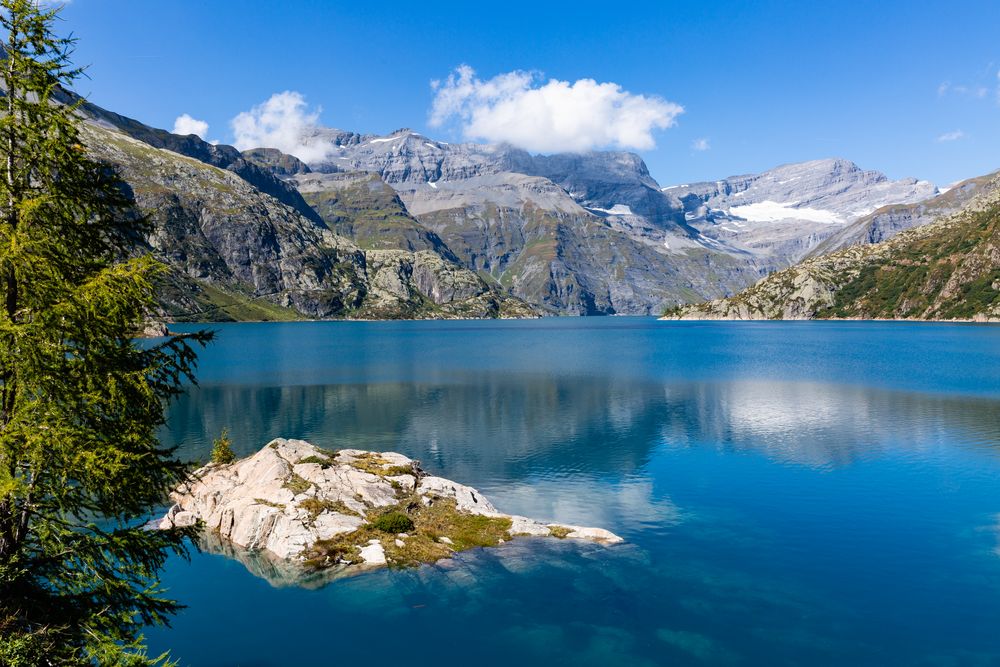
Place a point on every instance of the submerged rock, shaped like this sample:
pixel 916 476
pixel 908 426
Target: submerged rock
pixel 347 509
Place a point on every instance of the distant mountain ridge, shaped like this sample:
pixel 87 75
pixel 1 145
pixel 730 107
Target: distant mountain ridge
pixel 784 213
pixel 494 205
pixel 946 269
pixel 888 221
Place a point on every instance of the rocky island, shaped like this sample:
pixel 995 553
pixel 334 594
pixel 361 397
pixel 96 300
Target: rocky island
pixel 307 509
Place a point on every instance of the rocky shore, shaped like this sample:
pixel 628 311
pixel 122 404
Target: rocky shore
pixel 316 509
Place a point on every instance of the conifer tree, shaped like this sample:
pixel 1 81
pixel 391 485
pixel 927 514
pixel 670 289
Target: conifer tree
pixel 81 468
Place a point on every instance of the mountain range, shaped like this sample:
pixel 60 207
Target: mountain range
pixel 404 226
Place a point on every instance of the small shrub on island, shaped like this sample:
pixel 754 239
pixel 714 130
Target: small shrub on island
pixel 393 522
pixel 222 449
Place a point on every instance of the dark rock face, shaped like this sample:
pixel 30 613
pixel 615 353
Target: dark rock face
pixel 601 180
pixel 278 163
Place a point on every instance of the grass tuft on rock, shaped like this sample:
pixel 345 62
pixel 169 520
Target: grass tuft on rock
pixel 559 531
pixel 323 461
pixel 316 506
pixel 296 484
pixel 370 462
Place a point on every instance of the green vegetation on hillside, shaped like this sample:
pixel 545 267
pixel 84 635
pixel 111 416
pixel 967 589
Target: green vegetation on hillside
pixel 950 275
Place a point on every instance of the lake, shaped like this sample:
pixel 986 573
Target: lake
pixel 800 493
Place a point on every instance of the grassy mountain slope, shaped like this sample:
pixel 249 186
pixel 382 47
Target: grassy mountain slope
pixel 362 207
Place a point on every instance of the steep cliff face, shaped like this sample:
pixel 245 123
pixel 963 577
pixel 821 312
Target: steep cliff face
pixel 948 269
pixel 239 253
pixel 530 236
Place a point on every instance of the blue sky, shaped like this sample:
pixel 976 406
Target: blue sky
pixel 908 88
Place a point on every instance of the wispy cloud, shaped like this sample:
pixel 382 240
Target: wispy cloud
pixel 185 124
pixel 701 144
pixel 284 122
pixel 954 135
pixel 975 92
pixel 554 116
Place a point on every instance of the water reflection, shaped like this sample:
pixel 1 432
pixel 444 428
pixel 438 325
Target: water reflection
pixel 497 427
pixel 824 425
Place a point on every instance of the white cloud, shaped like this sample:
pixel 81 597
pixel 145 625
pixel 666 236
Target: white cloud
pixel 556 116
pixel 284 122
pixel 954 135
pixel 185 124
pixel 701 145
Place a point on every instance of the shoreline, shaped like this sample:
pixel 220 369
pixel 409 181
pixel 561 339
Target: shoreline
pixel 829 319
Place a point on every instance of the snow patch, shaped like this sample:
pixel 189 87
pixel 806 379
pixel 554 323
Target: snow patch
pixel 432 184
pixel 707 241
pixel 772 211
pixel 617 209
pixel 429 145
pixel 382 141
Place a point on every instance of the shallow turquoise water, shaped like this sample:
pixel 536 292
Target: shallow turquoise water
pixel 790 493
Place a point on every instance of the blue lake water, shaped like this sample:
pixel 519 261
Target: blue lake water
pixel 790 493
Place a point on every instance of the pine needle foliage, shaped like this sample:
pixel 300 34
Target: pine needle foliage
pixel 81 468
